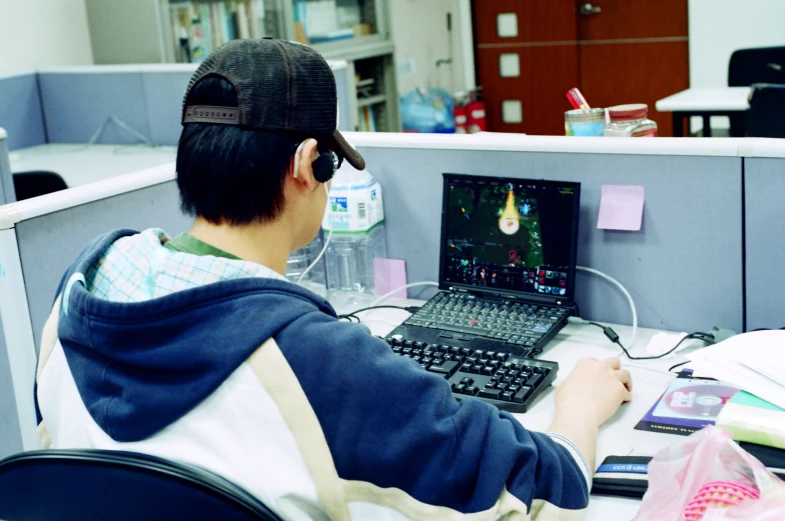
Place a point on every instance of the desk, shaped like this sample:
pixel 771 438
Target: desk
pixel 82 164
pixel 617 437
pixel 706 103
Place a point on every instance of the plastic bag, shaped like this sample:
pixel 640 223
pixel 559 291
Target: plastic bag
pixel 677 473
pixel 428 110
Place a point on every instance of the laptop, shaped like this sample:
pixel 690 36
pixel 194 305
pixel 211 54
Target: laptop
pixel 507 266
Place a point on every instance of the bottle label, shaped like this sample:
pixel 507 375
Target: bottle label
pixel 354 208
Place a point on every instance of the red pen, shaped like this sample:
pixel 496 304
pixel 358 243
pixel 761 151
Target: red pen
pixel 577 100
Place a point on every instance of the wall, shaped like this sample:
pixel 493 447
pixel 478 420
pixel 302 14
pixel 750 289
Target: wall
pixel 43 33
pixel 719 27
pixel 419 31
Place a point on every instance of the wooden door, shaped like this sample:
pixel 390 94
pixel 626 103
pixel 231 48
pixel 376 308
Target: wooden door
pixel 546 52
pixel 616 51
pixel 633 52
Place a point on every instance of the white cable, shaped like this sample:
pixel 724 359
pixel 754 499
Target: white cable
pixel 626 293
pixel 123 126
pixel 405 286
pixel 329 235
pixel 318 257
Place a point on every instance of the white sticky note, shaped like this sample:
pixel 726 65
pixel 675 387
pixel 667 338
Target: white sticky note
pixel 621 208
pixel 507 25
pixel 512 111
pixel 509 65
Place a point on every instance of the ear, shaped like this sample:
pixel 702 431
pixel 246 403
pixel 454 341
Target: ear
pixel 303 163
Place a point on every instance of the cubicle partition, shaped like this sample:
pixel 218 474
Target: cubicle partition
pixel 764 196
pixel 21 111
pixel 77 101
pixel 687 253
pixel 39 238
pixel 7 192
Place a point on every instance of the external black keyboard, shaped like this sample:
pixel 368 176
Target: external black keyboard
pixel 512 322
pixel 509 382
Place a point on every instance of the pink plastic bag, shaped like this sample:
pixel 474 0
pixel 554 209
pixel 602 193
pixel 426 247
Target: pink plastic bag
pixel 677 473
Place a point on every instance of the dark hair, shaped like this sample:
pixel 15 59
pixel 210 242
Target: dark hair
pixel 227 174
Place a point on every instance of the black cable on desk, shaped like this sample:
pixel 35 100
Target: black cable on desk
pixel 614 337
pixel 353 314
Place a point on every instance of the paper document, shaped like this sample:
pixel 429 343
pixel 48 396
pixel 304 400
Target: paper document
pixel 753 361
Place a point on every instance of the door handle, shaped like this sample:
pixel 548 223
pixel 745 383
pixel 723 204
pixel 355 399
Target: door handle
pixel 588 9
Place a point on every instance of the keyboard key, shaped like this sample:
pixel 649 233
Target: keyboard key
pixel 494 394
pixel 507 396
pixel 466 380
pixel 471 390
pixel 521 395
pixel 446 368
pixel 534 380
pixel 466 368
pixel 458 388
pixel 477 369
pixel 488 370
pixel 501 357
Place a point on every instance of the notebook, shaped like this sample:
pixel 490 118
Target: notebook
pixel 508 251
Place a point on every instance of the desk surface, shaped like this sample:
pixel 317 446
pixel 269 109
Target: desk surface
pixel 82 164
pixel 617 437
pixel 724 99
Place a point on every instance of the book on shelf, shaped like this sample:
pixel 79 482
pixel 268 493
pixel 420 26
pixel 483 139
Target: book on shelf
pixel 199 27
pixel 367 119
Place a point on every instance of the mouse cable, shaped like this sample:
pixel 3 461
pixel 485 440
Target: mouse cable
pixel 614 337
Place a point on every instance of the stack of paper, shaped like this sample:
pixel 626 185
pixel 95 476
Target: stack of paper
pixel 753 420
pixel 754 362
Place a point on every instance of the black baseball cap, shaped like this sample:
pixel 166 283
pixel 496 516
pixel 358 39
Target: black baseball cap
pixel 281 86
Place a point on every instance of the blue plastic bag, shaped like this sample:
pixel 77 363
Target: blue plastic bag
pixel 428 111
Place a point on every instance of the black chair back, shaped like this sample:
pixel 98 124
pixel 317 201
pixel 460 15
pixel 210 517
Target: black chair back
pixel 93 485
pixel 33 184
pixel 750 66
pixel 766 116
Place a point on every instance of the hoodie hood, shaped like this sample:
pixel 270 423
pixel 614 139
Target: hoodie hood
pixel 141 366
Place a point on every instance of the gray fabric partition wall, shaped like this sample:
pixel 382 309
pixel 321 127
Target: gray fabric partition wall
pixel 683 268
pixel 77 103
pixel 21 113
pixel 764 181
pixel 7 192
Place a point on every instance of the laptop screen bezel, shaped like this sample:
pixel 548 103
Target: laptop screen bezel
pixel 508 293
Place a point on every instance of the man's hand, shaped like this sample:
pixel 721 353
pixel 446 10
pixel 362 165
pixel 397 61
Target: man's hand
pixel 593 391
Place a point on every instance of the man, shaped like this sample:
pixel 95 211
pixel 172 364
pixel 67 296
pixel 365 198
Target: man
pixel 197 349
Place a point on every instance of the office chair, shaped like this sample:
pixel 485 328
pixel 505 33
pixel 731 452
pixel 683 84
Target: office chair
pixel 33 184
pixel 750 66
pixel 766 116
pixel 93 485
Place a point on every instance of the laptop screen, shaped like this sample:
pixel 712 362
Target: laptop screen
pixel 511 235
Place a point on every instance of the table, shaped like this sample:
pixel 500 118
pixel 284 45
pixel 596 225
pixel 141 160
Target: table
pixel 705 102
pixel 79 164
pixel 617 437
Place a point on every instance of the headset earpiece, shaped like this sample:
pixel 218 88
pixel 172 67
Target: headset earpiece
pixel 323 166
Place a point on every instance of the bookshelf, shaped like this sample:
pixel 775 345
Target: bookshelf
pixel 186 31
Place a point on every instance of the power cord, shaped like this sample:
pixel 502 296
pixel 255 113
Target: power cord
pixel 626 293
pixel 614 337
pixel 405 286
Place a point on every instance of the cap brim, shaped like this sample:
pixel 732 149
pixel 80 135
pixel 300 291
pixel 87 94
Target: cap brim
pixel 343 149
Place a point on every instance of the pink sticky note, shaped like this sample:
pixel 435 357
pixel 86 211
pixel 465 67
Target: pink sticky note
pixel 389 274
pixel 621 208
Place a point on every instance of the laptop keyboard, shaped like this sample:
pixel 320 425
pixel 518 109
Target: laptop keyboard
pixel 507 381
pixel 512 322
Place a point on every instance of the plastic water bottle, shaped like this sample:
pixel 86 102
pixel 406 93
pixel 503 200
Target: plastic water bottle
pixel 355 215
pixel 298 262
